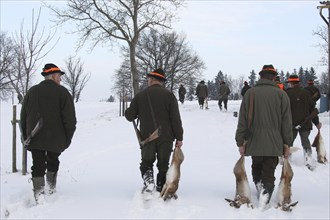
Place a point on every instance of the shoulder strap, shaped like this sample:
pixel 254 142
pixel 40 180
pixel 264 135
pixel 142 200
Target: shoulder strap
pixel 152 111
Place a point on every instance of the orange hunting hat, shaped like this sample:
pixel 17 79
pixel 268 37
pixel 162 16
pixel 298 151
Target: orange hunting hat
pixel 310 81
pixel 293 78
pixel 159 74
pixel 50 69
pixel 268 69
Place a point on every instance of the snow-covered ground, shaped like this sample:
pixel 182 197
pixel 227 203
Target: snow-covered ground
pixel 99 174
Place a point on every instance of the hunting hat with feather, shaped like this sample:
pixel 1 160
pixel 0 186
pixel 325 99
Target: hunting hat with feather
pixel 158 74
pixel 268 69
pixel 51 69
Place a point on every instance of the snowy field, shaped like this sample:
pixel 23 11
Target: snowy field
pixel 99 174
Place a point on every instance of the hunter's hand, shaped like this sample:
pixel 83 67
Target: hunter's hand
pixel 319 126
pixel 241 150
pixel 286 152
pixel 178 144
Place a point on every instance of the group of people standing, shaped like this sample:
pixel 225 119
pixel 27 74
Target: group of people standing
pixel 269 120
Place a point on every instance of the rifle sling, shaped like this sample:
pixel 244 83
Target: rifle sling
pixel 152 111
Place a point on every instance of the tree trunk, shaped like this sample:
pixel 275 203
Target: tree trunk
pixel 134 72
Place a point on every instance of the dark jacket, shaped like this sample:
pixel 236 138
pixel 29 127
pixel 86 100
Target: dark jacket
pixel 182 91
pixel 244 89
pixel 54 104
pixel 301 106
pixel 314 91
pixel 271 120
pixel 166 112
pixel 201 90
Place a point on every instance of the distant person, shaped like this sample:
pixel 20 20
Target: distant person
pixel 302 106
pixel 156 107
pixel 52 103
pixel 224 92
pixel 314 91
pixel 264 133
pixel 245 88
pixel 278 82
pixel 182 93
pixel 202 93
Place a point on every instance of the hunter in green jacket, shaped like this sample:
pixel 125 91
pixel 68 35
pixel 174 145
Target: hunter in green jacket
pixel 156 107
pixel 270 131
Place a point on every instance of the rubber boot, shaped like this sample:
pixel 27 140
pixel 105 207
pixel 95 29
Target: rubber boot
pixel 39 189
pixel 51 178
pixel 149 183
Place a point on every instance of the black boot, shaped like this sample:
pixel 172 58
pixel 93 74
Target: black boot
pixel 51 178
pixel 149 183
pixel 161 179
pixel 38 189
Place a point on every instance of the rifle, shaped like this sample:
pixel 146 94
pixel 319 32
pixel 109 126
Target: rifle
pixel 312 115
pixel 36 128
pixel 151 137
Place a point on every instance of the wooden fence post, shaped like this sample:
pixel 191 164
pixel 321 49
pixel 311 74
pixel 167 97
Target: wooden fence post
pixel 24 160
pixel 13 122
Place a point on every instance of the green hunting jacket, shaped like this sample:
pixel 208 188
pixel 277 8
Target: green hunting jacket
pixel 166 113
pixel 271 120
pixel 54 104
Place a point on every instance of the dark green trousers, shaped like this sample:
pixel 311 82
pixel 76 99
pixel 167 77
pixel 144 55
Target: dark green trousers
pixel 263 169
pixel 160 150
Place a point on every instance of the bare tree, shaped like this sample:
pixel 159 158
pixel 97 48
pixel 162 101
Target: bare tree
pixel 29 49
pixel 171 52
pixel 168 51
pixel 74 77
pixel 322 33
pixel 123 80
pixel 103 22
pixel 7 58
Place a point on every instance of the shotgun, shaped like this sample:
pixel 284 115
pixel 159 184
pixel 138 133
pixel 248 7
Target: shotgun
pixel 312 115
pixel 36 128
pixel 151 137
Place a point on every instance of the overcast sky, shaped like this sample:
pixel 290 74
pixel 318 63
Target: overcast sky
pixel 235 37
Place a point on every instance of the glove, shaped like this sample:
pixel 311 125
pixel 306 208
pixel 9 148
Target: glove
pixel 319 125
